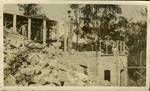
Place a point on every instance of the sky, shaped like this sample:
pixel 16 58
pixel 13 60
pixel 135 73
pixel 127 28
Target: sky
pixel 57 11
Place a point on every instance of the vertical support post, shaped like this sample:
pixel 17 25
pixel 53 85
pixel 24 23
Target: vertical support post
pixel 126 74
pixel 124 48
pixel 121 47
pixel 113 45
pixel 29 28
pixel 141 55
pixel 117 45
pixel 14 22
pixel 44 31
pixel 5 22
pixel 65 38
pixel 117 65
pixel 69 32
pixel 106 47
pixel 65 42
pixel 100 47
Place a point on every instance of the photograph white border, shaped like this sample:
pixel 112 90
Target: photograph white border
pixel 75 88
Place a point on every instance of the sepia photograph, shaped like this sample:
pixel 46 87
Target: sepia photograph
pixel 74 45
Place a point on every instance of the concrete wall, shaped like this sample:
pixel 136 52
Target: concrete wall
pixel 110 63
pixel 97 66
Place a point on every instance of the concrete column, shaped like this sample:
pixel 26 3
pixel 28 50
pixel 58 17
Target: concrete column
pixel 29 28
pixel 14 23
pixel 44 31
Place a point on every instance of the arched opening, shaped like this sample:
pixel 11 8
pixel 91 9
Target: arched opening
pixel 107 75
pixel 122 77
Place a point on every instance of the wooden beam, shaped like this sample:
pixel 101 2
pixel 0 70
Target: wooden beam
pixel 14 22
pixel 32 17
pixel 137 67
pixel 140 74
pixel 44 31
pixel 29 28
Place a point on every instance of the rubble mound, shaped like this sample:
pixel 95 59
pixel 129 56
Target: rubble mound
pixel 29 63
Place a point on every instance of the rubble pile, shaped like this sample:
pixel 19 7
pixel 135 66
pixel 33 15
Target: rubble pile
pixel 28 63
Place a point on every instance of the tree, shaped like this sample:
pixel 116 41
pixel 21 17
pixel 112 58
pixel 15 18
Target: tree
pixel 136 42
pixel 99 22
pixel 30 9
pixel 102 18
pixel 105 21
pixel 75 8
pixel 70 32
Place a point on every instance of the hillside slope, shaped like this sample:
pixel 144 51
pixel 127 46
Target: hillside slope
pixel 29 63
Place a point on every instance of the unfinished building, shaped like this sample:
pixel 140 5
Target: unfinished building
pixel 39 29
pixel 108 66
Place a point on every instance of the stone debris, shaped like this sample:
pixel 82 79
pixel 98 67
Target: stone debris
pixel 28 63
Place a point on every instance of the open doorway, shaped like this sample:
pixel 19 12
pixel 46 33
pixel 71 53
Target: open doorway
pixel 107 75
pixel 122 77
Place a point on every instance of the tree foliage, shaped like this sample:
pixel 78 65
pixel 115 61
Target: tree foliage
pixel 30 9
pixel 100 20
pixel 106 22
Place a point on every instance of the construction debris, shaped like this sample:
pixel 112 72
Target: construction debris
pixel 28 63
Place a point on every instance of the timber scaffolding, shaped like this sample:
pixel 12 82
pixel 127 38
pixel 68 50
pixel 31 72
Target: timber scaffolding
pixel 34 23
pixel 106 47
